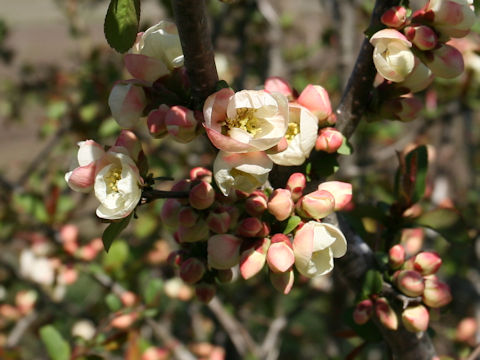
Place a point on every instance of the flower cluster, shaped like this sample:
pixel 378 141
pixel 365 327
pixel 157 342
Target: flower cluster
pixel 113 175
pixel 208 221
pixel 413 49
pixel 414 278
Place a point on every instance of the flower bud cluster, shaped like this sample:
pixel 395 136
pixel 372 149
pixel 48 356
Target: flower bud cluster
pixel 412 50
pixel 209 223
pixel 416 279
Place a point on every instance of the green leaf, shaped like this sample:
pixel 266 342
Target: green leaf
pixel 417 166
pixel 152 290
pixel 447 222
pixel 121 24
pixel 113 230
pixel 372 284
pixel 113 302
pixel 476 4
pixel 57 347
pixel 346 148
pixel 292 223
pixel 221 84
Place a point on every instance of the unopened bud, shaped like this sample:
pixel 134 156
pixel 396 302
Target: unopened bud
pixel 175 258
pixel 403 108
pixel 395 17
pixel 256 204
pixel 410 283
pixel 218 221
pixel 318 204
pixel 169 213
pixel 396 256
pixel 200 173
pixel 329 140
pixel 296 184
pixel 341 191
pixel 197 232
pixel 445 61
pixel 280 204
pixel 315 98
pixel 201 195
pixel 280 256
pixel 282 281
pixel 436 293
pixel 466 330
pixel 205 292
pixel 363 312
pixel 124 321
pixel 187 216
pixel 224 275
pixel 422 36
pixel 419 79
pixel 156 121
pixel 253 258
pixel 277 84
pixel 415 318
pixel 181 124
pixel 223 251
pixel 427 263
pixel 250 227
pixel 192 270
pixel 386 314
pixel 127 101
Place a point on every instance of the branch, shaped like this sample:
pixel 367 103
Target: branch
pixel 192 24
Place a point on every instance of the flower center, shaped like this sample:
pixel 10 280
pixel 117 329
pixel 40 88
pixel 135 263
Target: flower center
pixel 245 120
pixel 112 177
pixel 292 131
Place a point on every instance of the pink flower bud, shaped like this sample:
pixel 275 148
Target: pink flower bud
pixel 280 257
pixel 451 17
pixel 396 256
pixel 415 318
pixel 436 293
pixel 282 281
pixel 363 312
pixel 403 108
pixel 124 321
pixel 175 258
pixel 315 98
pixel 170 212
pixel 427 262
pixel 250 227
pixel 223 251
pixel 201 195
pixel 280 204
pixel 422 36
pixel 419 79
pixel 277 84
pixel 234 215
pixel 296 184
pixel 329 140
pixel 395 17
pixel 205 292
pixel 187 216
pixel 445 61
pixel 69 237
pixel 466 330
pixel 318 204
pixel 200 173
pixel 410 282
pixel 197 232
pixel 256 204
pixel 225 275
pixel 182 185
pixel 253 258
pixel 192 270
pixel 156 121
pixel 181 124
pixel 412 240
pixel 82 178
pixel 128 298
pixel 219 221
pixel 127 101
pixel 264 231
pixel 386 314
pixel 341 191
pixel 128 140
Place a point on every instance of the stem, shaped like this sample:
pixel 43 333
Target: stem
pixel 192 24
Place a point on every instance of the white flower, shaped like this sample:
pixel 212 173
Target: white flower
pixel 301 136
pixel 392 55
pixel 315 245
pixel 248 120
pixel 244 171
pixel 37 268
pixel 117 186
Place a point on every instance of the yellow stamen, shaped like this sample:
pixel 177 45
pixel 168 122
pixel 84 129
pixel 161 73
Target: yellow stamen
pixel 112 177
pixel 292 130
pixel 245 120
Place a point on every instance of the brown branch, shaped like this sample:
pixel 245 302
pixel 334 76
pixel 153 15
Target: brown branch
pixel 191 20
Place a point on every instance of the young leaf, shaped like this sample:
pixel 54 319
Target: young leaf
pixel 121 24
pixel 292 223
pixel 417 166
pixel 57 347
pixel 372 284
pixel 113 230
pixel 346 148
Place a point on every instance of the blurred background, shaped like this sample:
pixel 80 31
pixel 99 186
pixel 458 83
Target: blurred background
pixel 56 72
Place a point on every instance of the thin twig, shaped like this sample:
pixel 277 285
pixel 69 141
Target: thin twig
pixel 270 343
pixel 20 328
pixel 475 354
